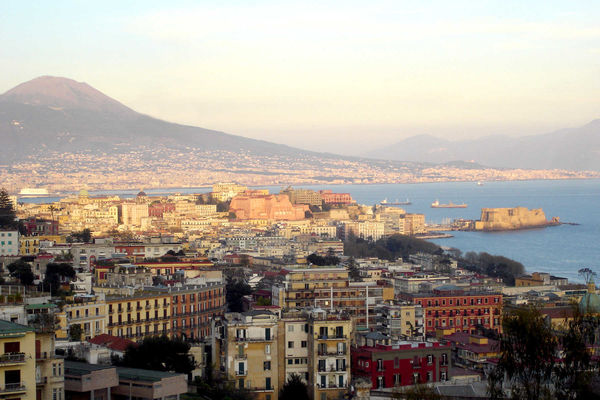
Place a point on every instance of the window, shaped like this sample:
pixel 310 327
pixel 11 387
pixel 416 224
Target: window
pixel 379 364
pixel 290 345
pixel 303 344
pixel 267 333
pixel 290 328
pixel 429 359
pixel 267 349
pixel 267 365
pixel 267 383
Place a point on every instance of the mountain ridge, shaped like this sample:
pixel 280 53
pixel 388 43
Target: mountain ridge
pixel 569 148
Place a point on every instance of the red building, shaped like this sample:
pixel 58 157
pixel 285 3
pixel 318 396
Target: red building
pixel 193 307
pixel 336 198
pixel 455 310
pixel 158 209
pixel 402 364
pixel 39 227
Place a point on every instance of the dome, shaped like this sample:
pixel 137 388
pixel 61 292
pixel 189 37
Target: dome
pixel 83 193
pixel 141 193
pixel 590 303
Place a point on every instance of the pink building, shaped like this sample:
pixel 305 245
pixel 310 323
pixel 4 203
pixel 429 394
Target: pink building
pixel 270 206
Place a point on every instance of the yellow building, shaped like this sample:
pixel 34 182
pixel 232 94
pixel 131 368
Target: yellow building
pixel 250 352
pixel 140 315
pixel 330 288
pixel 17 361
pixel 49 369
pixel 87 312
pixel 329 355
pixel 30 245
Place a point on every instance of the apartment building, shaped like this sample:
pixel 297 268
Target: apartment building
pixel 400 321
pixel 89 312
pixel 329 340
pixel 401 363
pixel 454 309
pixel 260 349
pixel 193 307
pixel 330 288
pixel 9 243
pixel 250 352
pixel 49 369
pixel 139 315
pixel 17 361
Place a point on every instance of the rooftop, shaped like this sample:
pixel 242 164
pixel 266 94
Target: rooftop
pixel 10 327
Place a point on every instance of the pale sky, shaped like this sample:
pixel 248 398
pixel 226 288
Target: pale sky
pixel 338 76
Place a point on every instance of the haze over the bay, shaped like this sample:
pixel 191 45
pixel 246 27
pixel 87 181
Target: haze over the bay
pixel 344 77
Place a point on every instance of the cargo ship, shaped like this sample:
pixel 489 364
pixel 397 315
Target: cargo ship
pixel 436 204
pixel 385 202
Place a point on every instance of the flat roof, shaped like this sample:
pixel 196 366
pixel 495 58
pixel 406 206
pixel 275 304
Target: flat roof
pixel 81 368
pixel 144 374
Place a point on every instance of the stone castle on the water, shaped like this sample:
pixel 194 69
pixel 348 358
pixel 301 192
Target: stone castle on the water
pixel 504 219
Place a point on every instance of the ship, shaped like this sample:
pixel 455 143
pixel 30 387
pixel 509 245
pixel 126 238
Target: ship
pixel 385 202
pixel 33 192
pixel 436 204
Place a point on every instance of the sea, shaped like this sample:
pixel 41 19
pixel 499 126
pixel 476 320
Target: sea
pixel 559 250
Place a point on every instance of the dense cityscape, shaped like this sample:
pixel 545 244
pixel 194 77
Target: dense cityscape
pixel 242 293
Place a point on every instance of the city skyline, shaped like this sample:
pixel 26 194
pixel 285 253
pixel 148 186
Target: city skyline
pixel 330 74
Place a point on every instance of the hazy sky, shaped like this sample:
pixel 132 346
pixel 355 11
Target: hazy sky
pixel 340 76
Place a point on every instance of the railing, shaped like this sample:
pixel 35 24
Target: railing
pixel 12 358
pixel 240 356
pixel 42 380
pixel 13 387
pixel 41 356
pixel 241 373
pixel 332 353
pixel 334 337
pixel 261 389
pixel 261 339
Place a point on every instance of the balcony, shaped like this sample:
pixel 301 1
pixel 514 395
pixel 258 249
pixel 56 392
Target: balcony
pixel 41 380
pixel 42 356
pixel 261 389
pixel 333 337
pixel 241 373
pixel 12 358
pixel 148 307
pixel 13 387
pixel 240 356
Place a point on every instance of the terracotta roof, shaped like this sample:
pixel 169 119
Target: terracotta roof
pixel 112 342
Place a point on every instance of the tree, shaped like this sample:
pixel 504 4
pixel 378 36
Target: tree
pixel 22 271
pixel 587 274
pixel 160 354
pixel 262 301
pixel 294 389
pixel 75 332
pixel 527 355
pixel 7 212
pixel 56 273
pixel 84 236
pixel 235 291
pixel 416 392
pixel 353 270
pixel 574 374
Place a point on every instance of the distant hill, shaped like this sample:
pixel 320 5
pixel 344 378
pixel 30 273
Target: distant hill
pixel 60 114
pixel 573 149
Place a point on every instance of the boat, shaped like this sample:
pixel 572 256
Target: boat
pixel 385 202
pixel 479 183
pixel 436 204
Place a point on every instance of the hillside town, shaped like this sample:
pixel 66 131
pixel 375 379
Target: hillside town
pixel 256 292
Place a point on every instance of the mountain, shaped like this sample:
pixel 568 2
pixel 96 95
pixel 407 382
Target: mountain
pixel 62 115
pixel 572 149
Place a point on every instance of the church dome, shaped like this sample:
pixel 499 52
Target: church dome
pixel 83 193
pixel 590 304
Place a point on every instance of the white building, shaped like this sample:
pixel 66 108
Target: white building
pixel 9 243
